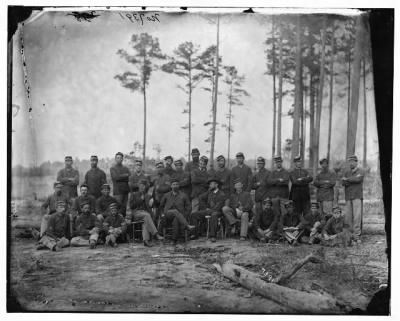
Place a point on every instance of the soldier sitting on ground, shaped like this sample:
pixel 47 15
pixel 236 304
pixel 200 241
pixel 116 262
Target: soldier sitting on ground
pixel 336 232
pixel 57 233
pixel 114 227
pixel 289 224
pixel 87 228
pixel 266 221
pixel 312 223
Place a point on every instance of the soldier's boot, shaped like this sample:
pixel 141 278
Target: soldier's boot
pixel 92 244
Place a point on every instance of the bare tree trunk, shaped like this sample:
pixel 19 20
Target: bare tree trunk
pixel 349 86
pixel 320 97
pixel 331 95
pixel 229 132
pixel 144 123
pixel 298 94
pixel 273 94
pixel 312 107
pixel 279 133
pixel 355 88
pixel 190 111
pixel 304 123
pixel 215 100
pixel 365 116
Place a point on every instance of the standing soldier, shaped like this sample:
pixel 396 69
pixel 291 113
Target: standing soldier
pixel 260 183
pixel 168 166
pixel 69 177
pixel 120 178
pixel 199 179
pixel 238 206
pixel 242 172
pixel 300 191
pixel 223 175
pixel 103 203
pixel 278 185
pixel 95 178
pixel 49 206
pixel 353 189
pixel 182 177
pixel 325 182
pixel 161 184
pixel 137 176
pixel 191 165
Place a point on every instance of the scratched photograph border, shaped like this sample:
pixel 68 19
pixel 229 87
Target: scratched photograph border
pixel 33 264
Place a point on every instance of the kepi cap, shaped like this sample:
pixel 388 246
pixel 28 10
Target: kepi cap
pixel 260 160
pixel 168 157
pixel 352 157
pixel 94 157
pixel 220 157
pixel 68 158
pixel 240 154
pixel 277 159
pixel 195 151
pixel 297 158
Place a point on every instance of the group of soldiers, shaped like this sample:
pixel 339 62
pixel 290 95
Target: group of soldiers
pixel 194 200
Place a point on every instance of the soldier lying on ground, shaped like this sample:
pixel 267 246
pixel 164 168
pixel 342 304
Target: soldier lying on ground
pixel 57 232
pixel 114 226
pixel 266 221
pixel 87 228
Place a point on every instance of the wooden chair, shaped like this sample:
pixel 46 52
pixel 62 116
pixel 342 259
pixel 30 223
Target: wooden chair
pixel 221 230
pixel 137 229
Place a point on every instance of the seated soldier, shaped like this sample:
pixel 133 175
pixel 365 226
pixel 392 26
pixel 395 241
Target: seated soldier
pixel 114 226
pixel 238 206
pixel 335 231
pixel 289 224
pixel 87 228
pixel 85 197
pixel 214 199
pixel 103 203
pixel 57 233
pixel 266 222
pixel 49 206
pixel 312 223
pixel 175 208
pixel 140 203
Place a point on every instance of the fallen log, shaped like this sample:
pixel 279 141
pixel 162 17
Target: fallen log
pixel 285 276
pixel 293 300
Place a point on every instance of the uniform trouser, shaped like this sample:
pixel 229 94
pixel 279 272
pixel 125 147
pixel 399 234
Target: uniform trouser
pixel 101 217
pixel 178 221
pixel 199 216
pixel 231 215
pixel 114 233
pixel 326 207
pixel 353 217
pixel 279 202
pixel 265 233
pixel 51 242
pixel 148 225
pixel 122 200
pixel 302 204
pixel 85 241
pixel 195 204
pixel 342 239
pixel 45 224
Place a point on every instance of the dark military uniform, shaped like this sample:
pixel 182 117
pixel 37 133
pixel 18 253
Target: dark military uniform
pixel 51 201
pixel 224 176
pixel 300 191
pixel 184 181
pixel 266 219
pixel 176 207
pixel 353 191
pixel 325 182
pixel 278 188
pixel 244 174
pixel 260 185
pixel 102 204
pixel 69 188
pixel 76 207
pixel 120 184
pixel 214 201
pixel 135 178
pixel 162 185
pixel 94 179
pixel 199 179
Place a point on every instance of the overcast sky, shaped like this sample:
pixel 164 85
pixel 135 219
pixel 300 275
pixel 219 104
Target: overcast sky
pixel 79 109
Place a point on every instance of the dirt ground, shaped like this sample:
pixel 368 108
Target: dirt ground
pixel 164 278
